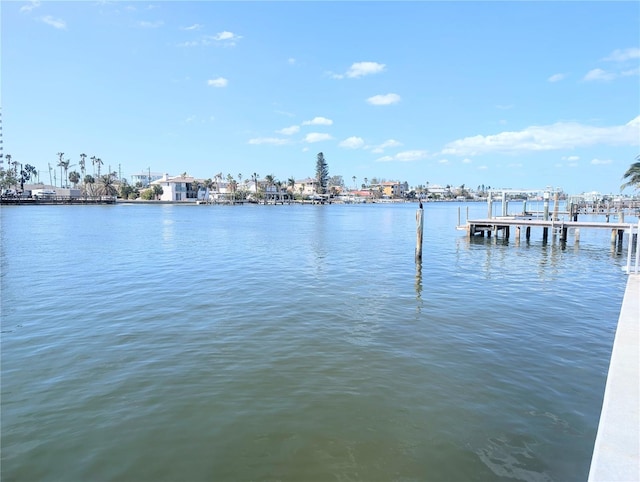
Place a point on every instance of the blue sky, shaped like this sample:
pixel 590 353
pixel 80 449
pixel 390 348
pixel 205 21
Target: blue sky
pixel 502 94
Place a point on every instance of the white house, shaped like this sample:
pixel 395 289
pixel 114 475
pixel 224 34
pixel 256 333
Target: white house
pixel 177 188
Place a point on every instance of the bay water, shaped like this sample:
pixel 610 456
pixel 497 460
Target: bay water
pixel 298 343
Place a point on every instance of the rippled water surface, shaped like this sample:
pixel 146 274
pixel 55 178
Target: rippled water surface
pixel 298 343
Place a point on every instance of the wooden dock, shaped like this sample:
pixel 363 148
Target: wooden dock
pixel 502 225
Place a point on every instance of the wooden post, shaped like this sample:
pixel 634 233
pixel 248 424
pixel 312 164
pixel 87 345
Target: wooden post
pixel 504 203
pixel 563 233
pixel 613 236
pixel 528 233
pixel 576 232
pixel 546 205
pixel 556 206
pixel 489 206
pixel 419 222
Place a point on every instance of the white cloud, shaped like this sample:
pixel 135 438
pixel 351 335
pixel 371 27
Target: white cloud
pixel 317 137
pixel 228 38
pixel 32 6
pixel 352 142
pixel 597 162
pixel 443 161
pixel 54 22
pixel 274 141
pixel 195 26
pixel 219 82
pixel 556 77
pixel 467 161
pixel 291 60
pixel 561 135
pixel 145 24
pixel 318 121
pixel 570 158
pixel 386 144
pixel 599 74
pixel 225 38
pixel 622 55
pixel 627 73
pixel 287 131
pixel 406 156
pixel 386 99
pixel 360 69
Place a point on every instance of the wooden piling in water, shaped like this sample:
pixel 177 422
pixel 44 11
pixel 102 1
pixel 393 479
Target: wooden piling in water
pixel 419 230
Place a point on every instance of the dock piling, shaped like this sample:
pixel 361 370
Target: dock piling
pixel 419 230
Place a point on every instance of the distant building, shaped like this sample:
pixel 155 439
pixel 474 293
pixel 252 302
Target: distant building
pixel 145 178
pixel 394 189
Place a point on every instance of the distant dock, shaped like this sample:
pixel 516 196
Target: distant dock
pixel 557 222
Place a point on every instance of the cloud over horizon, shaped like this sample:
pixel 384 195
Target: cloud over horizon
pixel 561 135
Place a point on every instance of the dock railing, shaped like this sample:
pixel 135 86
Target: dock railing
pixel 633 265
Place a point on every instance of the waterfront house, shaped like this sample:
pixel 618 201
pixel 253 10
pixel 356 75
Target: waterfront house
pixel 177 188
pixel 394 189
pixel 306 187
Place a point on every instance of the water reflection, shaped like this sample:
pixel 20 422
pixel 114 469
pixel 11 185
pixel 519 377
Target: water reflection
pixel 418 286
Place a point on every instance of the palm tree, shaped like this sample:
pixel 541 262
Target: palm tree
pixel 82 163
pixel 270 180
pixel 99 163
pixel 157 191
pixel 354 181
pixel 93 162
pixel 60 165
pixel 26 173
pixel 65 166
pixel 106 187
pixel 254 178
pixel 218 178
pixel 14 164
pixel 291 182
pixel 632 176
pixel 88 182
pixel 74 177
